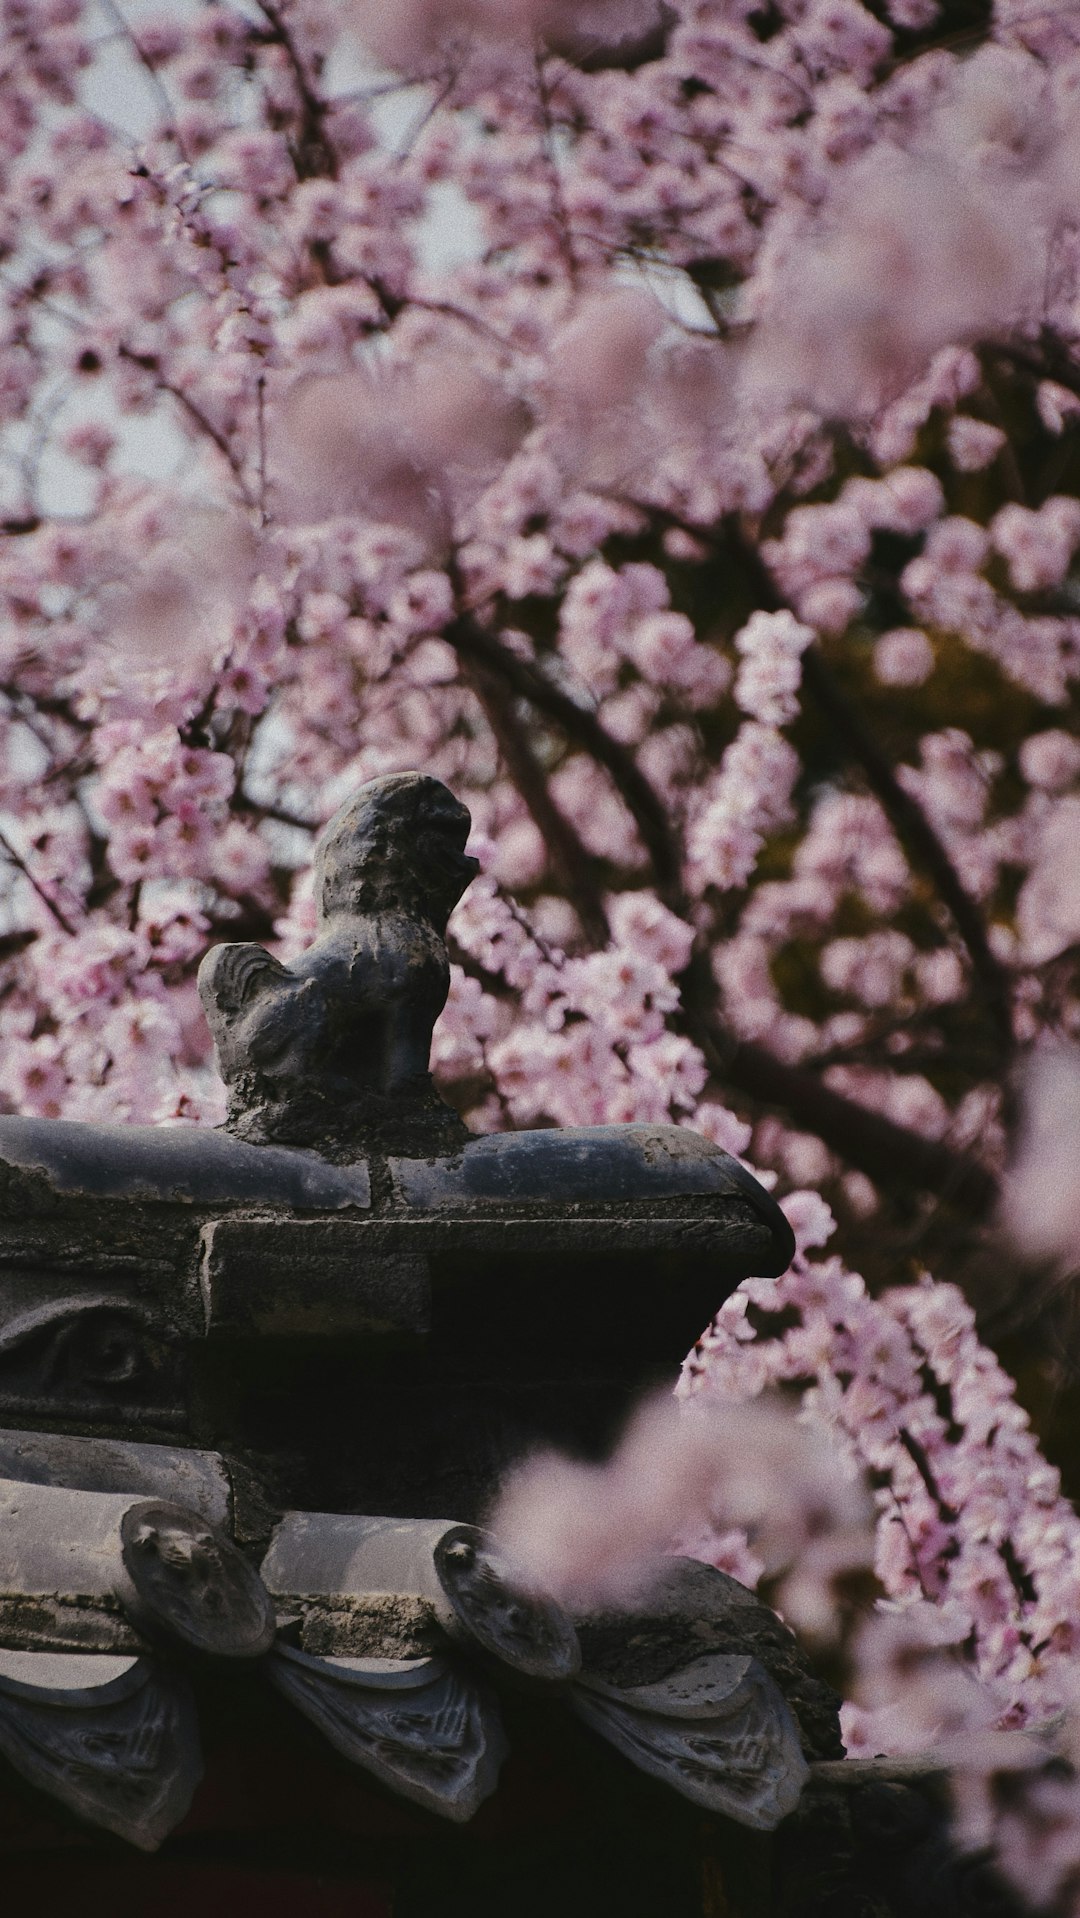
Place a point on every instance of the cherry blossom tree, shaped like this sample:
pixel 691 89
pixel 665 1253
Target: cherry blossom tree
pixel 660 420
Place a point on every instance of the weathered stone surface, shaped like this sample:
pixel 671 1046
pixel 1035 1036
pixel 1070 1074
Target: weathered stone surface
pixel 432 1573
pixel 88 1556
pixel 177 1165
pixel 198 1480
pixel 628 1165
pixel 69 1622
pixel 715 1726
pixel 370 1625
pixel 693 1609
pixel 717 1730
pixel 545 1319
pixel 307 1277
pixel 335 1046
pixel 55 1541
pixel 344 1301
pixel 421 1726
pixel 113 1738
pixel 340 1554
pixel 610 1247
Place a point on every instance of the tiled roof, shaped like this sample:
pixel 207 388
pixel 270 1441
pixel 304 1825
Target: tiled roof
pixel 394 1637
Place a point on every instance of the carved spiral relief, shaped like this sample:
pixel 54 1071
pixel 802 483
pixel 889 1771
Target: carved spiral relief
pixel 87 1353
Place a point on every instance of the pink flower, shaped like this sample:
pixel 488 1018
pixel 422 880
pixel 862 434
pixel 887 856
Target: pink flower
pixel 973 443
pixel 134 852
pixel 906 255
pixel 830 605
pixel 600 357
pixel 1037 545
pixel 32 1076
pixel 640 922
pixel 903 657
pixel 715 1122
pixel 1057 406
pixel 1050 760
pixel 809 1218
pixel 768 679
pixel 1048 908
pixel 91 442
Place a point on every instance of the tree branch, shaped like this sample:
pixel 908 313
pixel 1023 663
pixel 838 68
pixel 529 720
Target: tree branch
pixel 315 157
pixel 43 894
pixel 471 642
pixel 261 414
pixel 913 829
pixel 164 99
pixel 12 943
pixel 551 162
pixel 195 414
pixel 887 1153
pixel 917 836
pixel 568 855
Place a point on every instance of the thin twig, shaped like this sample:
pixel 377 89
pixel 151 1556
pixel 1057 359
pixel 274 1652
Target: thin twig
pixel 558 204
pixel 261 410
pixel 568 856
pixel 29 292
pixel 20 863
pixel 472 320
pixel 916 834
pixel 431 109
pixel 30 462
pixel 887 1153
pixel 913 829
pixel 196 414
pixel 471 641
pixel 125 29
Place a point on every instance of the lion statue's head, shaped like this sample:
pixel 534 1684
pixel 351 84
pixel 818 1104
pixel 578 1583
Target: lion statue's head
pixel 397 842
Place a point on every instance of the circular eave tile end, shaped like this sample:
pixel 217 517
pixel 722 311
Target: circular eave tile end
pixel 190 1582
pixel 524 1630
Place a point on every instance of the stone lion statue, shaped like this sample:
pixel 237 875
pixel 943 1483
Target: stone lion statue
pixel 335 1046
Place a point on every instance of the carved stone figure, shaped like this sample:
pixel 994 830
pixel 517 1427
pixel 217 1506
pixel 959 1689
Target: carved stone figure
pixel 98 1353
pixel 81 1559
pixel 335 1046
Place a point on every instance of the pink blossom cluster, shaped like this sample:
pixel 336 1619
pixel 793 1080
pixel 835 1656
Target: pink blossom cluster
pixel 586 1039
pixel 597 1534
pixel 972 1526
